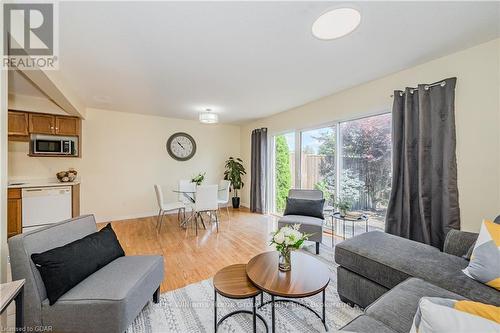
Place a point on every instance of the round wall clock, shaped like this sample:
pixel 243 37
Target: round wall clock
pixel 181 146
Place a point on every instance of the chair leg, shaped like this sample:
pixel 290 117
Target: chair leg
pixel 161 220
pixel 156 296
pixel 317 247
pixel 227 210
pixel 217 220
pixel 158 219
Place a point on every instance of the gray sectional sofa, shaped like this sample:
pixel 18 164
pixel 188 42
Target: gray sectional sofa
pixel 387 275
pixel 106 301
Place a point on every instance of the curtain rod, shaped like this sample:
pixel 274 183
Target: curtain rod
pixel 426 87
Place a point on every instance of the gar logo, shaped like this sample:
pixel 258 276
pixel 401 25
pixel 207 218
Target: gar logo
pixel 29 38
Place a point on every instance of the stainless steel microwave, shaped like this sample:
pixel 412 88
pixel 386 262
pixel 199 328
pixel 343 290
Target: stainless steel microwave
pixel 53 145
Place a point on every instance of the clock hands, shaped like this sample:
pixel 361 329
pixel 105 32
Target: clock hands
pixel 180 145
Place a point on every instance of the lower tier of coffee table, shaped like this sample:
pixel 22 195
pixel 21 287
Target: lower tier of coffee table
pixel 275 300
pixel 254 314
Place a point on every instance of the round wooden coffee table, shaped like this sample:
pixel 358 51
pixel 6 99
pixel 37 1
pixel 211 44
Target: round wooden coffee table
pixel 307 277
pixel 232 282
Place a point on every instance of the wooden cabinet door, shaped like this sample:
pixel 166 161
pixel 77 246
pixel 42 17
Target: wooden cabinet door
pixel 14 212
pixel 41 123
pixel 67 126
pixel 18 123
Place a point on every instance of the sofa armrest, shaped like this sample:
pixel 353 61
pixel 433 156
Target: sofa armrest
pixel 458 242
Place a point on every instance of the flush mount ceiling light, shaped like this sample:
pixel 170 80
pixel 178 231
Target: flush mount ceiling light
pixel 208 117
pixel 336 23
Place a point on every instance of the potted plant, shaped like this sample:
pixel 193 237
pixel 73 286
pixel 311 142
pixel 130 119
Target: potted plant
pixel 343 205
pixel 198 179
pixel 285 240
pixel 234 171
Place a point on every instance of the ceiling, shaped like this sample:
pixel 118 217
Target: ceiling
pixel 247 60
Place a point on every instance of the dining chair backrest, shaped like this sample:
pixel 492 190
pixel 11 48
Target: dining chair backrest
pixel 185 185
pixel 159 196
pixel 224 190
pixel 206 198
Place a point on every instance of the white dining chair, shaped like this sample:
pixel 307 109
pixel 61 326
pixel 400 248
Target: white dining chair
pixel 223 196
pixel 165 207
pixel 206 202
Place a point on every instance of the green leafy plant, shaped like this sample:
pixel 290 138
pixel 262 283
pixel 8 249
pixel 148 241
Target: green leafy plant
pixel 283 174
pixel 343 205
pixel 234 171
pixel 198 179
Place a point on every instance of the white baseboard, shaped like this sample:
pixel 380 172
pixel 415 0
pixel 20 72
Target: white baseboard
pixel 119 218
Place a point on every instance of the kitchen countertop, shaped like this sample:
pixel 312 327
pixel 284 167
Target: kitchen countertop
pixel 39 183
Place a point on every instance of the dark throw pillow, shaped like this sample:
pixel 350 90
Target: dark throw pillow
pixel 64 267
pixel 304 207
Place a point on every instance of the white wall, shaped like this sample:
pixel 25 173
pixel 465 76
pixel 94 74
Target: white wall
pixel 124 154
pixel 477 120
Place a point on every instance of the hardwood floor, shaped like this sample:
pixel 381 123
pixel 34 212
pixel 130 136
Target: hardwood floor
pixel 189 259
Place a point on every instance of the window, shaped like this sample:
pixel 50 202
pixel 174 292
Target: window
pixel 348 161
pixel 318 160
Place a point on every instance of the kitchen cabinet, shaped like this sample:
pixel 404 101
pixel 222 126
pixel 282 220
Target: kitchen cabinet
pixel 53 125
pixel 14 212
pixel 69 126
pixel 42 124
pixel 18 125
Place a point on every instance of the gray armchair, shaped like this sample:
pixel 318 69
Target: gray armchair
pixel 106 301
pixel 308 224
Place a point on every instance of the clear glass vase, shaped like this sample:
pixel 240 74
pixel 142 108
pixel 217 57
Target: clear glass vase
pixel 284 263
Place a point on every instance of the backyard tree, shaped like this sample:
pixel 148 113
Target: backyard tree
pixel 283 174
pixel 366 150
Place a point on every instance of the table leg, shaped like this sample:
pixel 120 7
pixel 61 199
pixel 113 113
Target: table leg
pixel 254 316
pixel 261 298
pixel 273 319
pixel 352 235
pixel 324 312
pixel 215 310
pixel 366 225
pixel 333 230
pixel 20 310
pixel 343 225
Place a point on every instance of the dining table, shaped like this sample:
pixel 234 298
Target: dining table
pixel 190 194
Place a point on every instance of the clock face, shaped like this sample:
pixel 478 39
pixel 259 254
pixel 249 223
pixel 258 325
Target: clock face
pixel 181 146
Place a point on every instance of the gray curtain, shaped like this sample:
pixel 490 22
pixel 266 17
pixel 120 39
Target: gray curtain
pixel 258 175
pixel 423 205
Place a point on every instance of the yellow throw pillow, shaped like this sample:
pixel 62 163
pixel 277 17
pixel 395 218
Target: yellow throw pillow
pixel 438 315
pixel 484 265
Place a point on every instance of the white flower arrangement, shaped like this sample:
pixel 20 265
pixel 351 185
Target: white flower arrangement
pixel 287 238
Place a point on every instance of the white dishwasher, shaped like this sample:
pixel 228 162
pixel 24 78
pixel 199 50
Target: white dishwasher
pixel 45 205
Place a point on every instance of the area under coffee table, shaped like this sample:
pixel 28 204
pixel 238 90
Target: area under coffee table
pixel 308 277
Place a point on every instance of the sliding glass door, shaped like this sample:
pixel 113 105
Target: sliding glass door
pixel 318 168
pixel 349 161
pixel 365 178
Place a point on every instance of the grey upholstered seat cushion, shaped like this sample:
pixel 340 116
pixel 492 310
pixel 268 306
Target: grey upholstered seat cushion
pixel 397 307
pixel 112 296
pixel 308 225
pixel 389 260
pixel 366 324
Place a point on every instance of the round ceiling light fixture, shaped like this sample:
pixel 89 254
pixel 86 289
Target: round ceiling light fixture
pixel 336 23
pixel 208 117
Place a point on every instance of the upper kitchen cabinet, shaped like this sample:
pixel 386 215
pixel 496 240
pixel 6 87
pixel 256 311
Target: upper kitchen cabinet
pixel 42 123
pixel 53 125
pixel 18 124
pixel 67 126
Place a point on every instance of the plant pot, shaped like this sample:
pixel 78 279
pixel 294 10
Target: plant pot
pixel 236 202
